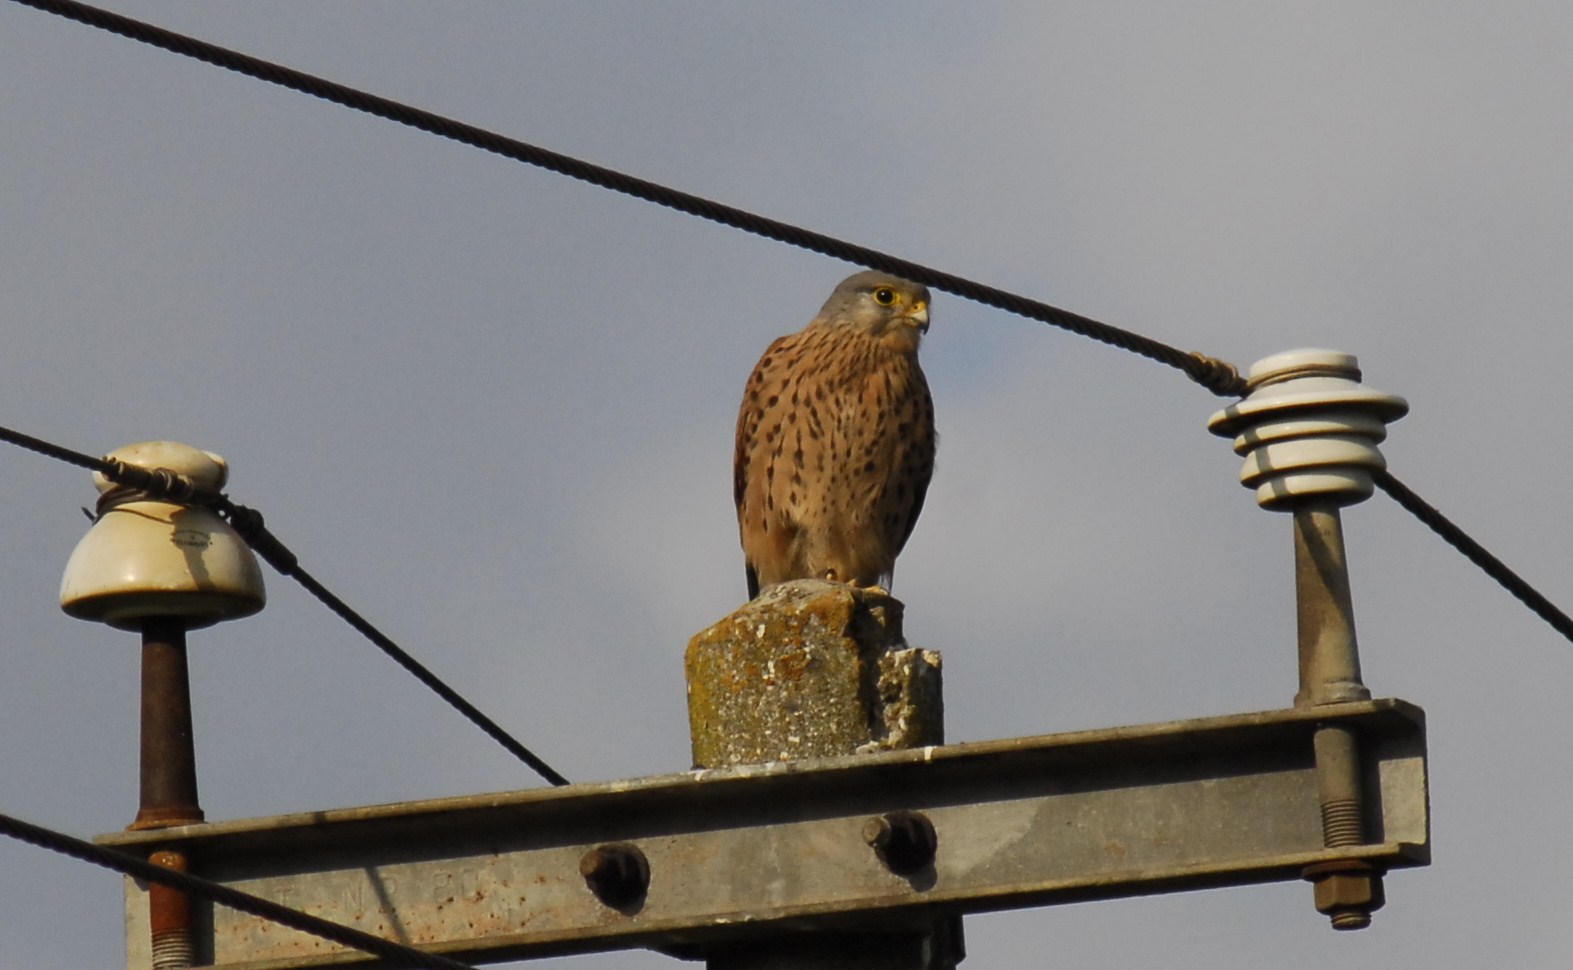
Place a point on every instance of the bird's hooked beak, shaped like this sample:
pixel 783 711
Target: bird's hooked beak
pixel 918 316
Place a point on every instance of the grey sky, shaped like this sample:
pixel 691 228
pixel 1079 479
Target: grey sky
pixel 493 408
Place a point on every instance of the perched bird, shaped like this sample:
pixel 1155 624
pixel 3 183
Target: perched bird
pixel 835 440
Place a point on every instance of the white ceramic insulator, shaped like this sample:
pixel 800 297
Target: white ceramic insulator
pixel 1308 428
pixel 145 557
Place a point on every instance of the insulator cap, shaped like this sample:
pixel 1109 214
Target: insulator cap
pixel 148 557
pixel 1308 428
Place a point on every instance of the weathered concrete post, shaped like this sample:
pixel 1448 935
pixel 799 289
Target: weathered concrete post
pixel 813 669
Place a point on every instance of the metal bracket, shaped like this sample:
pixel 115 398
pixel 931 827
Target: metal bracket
pixel 761 850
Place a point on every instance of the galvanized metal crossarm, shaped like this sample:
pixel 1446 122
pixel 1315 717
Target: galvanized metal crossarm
pixel 888 838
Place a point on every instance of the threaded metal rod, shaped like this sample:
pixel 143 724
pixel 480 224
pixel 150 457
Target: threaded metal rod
pixel 1347 891
pixel 169 781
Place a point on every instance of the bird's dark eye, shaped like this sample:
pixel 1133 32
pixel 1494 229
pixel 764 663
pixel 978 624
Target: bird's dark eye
pixel 884 296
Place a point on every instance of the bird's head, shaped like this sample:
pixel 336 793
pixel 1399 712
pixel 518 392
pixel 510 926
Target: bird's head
pixel 883 305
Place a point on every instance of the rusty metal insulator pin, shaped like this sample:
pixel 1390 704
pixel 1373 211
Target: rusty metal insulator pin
pixel 617 874
pixel 905 841
pixel 169 768
pixel 169 916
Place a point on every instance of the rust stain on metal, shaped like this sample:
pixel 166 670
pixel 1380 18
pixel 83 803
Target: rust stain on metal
pixel 770 848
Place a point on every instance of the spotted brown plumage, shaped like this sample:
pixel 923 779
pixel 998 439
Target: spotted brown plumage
pixel 835 440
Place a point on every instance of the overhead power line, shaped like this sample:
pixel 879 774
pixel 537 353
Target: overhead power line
pixel 1474 552
pixel 164 484
pixel 397 954
pixel 1218 376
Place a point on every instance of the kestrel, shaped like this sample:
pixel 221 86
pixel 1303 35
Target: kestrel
pixel 835 440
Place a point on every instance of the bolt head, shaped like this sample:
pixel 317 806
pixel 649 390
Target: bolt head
pixel 904 840
pixel 877 832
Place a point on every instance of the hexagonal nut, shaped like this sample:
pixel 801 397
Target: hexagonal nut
pixel 1344 891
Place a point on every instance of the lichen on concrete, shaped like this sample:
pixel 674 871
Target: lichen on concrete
pixel 810 669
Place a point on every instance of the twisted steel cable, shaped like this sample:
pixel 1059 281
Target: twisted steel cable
pixel 1218 376
pixel 163 484
pixel 397 954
